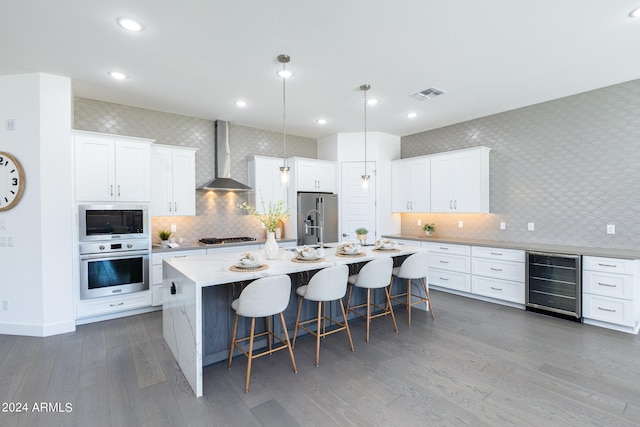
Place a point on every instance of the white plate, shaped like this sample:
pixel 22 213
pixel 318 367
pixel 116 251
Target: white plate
pixel 247 266
pixel 301 258
pixel 386 249
pixel 349 253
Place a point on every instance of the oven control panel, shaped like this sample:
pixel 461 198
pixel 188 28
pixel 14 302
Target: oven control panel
pixel 113 247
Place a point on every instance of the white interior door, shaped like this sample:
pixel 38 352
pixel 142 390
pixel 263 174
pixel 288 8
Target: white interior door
pixel 358 208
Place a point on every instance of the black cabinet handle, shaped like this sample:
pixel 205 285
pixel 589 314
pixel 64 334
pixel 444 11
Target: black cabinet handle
pixel 173 288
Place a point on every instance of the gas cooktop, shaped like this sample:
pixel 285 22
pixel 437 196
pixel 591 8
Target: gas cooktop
pixel 223 240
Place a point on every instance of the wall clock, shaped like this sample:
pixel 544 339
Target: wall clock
pixel 11 181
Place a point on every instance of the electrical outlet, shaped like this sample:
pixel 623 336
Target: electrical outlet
pixel 503 226
pixel 419 222
pixel 173 228
pixel 460 224
pixel 5 304
pixel 530 226
pixel 611 229
pixel 11 124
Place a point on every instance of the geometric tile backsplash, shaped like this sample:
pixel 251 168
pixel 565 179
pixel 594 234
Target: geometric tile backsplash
pixel 571 166
pixel 216 214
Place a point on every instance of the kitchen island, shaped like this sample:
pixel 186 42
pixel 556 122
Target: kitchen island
pixel 197 293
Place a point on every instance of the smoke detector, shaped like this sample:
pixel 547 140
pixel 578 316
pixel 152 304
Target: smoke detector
pixel 432 92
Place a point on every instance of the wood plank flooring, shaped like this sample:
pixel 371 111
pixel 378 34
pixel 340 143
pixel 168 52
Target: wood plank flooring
pixel 477 364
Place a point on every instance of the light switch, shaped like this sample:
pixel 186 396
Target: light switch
pixel 530 226
pixel 419 222
pixel 503 225
pixel 611 229
pixel 173 228
pixel 460 224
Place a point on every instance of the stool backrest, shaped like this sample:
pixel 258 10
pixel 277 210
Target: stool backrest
pixel 375 274
pixel 416 266
pixel 328 284
pixel 265 297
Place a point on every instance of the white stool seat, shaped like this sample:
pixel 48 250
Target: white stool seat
pixel 416 267
pixel 264 297
pixel 373 275
pixel 328 284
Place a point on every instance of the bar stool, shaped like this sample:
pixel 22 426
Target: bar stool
pixel 328 284
pixel 375 274
pixel 264 297
pixel 416 266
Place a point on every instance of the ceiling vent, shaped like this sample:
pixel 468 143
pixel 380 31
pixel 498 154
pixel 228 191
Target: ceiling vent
pixel 432 92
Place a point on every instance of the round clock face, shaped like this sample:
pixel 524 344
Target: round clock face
pixel 11 181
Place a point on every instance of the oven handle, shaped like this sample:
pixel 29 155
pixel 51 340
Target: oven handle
pixel 113 255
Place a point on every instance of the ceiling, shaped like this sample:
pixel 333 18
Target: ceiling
pixel 197 57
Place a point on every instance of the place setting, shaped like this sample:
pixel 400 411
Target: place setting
pixel 349 250
pixel 385 245
pixel 249 262
pixel 307 255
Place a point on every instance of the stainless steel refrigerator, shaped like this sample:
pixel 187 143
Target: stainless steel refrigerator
pixel 317 218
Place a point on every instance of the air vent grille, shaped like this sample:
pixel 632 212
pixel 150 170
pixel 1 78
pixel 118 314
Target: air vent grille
pixel 432 92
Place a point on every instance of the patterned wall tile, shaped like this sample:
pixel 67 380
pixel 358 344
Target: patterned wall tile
pixel 570 166
pixel 216 213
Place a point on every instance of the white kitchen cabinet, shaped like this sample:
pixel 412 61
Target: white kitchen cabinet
pixel 609 293
pixel 112 168
pixel 174 181
pixel 264 178
pixel 460 181
pixel 410 180
pixel 498 273
pixel 314 175
pixel 113 304
pixel 156 269
pixel 449 266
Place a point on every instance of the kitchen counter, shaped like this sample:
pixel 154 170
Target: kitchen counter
pixel 199 281
pixel 526 246
pixel 156 249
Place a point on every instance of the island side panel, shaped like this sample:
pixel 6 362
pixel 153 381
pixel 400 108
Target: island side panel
pixel 182 324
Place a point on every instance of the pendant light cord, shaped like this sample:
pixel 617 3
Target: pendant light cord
pixel 284 118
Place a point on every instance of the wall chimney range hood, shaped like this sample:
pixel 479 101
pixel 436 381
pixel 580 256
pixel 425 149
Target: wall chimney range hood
pixel 222 172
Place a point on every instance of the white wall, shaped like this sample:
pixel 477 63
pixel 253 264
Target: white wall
pixel 37 270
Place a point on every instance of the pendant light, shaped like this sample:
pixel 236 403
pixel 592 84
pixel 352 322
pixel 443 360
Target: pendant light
pixel 365 178
pixel 284 169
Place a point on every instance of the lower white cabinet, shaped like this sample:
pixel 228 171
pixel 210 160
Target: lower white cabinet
pixel 156 270
pixel 609 295
pixel 449 266
pixel 498 273
pixel 109 305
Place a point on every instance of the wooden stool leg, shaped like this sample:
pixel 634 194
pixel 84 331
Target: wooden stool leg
pixel 393 317
pixel 250 358
pixel 318 333
pixel 369 311
pixel 408 298
pixel 426 290
pixel 346 324
pixel 233 341
pixel 286 337
pixel 295 330
pixel 349 298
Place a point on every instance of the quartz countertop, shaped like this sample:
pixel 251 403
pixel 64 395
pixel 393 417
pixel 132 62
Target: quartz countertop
pixel 526 246
pixel 190 246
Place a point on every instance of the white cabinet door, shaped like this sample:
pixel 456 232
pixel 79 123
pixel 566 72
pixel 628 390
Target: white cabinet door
pixel 315 175
pixel 411 189
pixel 173 176
pixel 112 168
pixel 460 181
pixel 264 177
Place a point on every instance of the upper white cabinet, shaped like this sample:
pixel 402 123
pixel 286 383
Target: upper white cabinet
pixel 174 181
pixel 314 175
pixel 264 177
pixel 410 183
pixel 112 167
pixel 460 181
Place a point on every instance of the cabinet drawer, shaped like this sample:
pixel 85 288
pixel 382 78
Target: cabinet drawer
pixel 608 309
pixel 609 265
pixel 500 289
pixel 498 253
pixel 461 264
pixel 505 270
pixel 447 248
pixel 610 285
pixel 156 295
pixel 107 305
pixel 447 279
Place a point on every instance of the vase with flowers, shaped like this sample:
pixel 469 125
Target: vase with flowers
pixel 269 215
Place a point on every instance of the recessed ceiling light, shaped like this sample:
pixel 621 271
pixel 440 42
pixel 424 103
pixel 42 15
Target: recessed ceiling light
pixel 130 24
pixel 241 103
pixel 372 101
pixel 321 121
pixel 635 13
pixel 412 115
pixel 118 75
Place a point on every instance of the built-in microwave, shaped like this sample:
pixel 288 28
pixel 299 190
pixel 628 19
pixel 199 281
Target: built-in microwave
pixel 109 222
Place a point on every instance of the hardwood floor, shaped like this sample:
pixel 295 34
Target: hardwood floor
pixel 477 364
